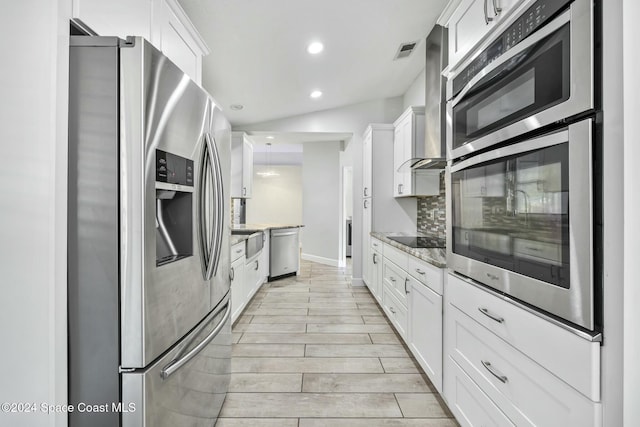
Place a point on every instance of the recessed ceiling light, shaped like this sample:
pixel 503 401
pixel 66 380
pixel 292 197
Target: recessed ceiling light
pixel 236 107
pixel 269 137
pixel 315 48
pixel 316 94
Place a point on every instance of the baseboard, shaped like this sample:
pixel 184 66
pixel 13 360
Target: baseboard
pixel 320 260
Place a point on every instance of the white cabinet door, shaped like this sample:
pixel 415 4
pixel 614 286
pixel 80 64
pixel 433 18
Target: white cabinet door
pixel 366 237
pixel 238 296
pixel 175 35
pixel 247 168
pixel 398 156
pixel 241 166
pixel 471 22
pixel 425 330
pixel 367 166
pixel 120 18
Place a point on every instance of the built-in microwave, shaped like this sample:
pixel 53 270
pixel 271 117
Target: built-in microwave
pixel 536 72
pixel 523 142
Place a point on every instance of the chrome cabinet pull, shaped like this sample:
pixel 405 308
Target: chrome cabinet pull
pixel 494 371
pixel 366 204
pixel 393 279
pixel 490 315
pixel 487 18
pixel 232 274
pixel 497 9
pixel 406 291
pixel 257 265
pixel 392 310
pixel 400 187
pixel 365 192
pixel 238 251
pixel 420 271
pixel 374 259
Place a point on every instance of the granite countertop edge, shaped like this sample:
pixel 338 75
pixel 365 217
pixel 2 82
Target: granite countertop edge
pixel 434 256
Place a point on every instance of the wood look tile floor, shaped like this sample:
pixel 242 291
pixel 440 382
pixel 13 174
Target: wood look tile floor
pixel 313 351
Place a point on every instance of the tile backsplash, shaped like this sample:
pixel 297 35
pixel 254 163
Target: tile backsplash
pixel 432 213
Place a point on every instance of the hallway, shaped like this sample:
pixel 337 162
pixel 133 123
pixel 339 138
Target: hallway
pixel 313 351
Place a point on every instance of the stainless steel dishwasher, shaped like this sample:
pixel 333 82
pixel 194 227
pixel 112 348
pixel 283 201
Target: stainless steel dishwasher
pixel 284 252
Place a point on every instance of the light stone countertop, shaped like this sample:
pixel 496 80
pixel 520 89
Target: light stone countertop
pixel 434 256
pixel 237 238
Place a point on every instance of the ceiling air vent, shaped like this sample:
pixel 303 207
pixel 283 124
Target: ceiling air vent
pixel 405 50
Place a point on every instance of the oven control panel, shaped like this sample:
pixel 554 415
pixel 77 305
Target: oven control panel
pixel 173 169
pixel 526 24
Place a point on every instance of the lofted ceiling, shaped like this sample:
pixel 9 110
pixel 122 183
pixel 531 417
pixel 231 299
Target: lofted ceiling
pixel 259 59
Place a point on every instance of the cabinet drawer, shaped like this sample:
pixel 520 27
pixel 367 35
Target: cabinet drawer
pixel 526 392
pixel 396 279
pixel 468 403
pixel 398 257
pixel 377 245
pixel 395 310
pixel 539 339
pixel 426 273
pixel 237 251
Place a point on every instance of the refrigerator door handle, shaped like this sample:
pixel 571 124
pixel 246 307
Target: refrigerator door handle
pixel 176 364
pixel 210 245
pixel 218 222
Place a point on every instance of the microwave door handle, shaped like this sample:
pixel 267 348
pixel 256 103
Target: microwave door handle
pixel 543 32
pixel 555 138
pixel 181 360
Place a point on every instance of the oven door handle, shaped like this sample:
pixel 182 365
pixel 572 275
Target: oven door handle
pixel 549 140
pixel 479 79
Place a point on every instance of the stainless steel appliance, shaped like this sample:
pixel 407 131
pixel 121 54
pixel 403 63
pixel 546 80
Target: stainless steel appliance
pixel 148 240
pixel 435 100
pixel 540 70
pixel 523 192
pixel 284 252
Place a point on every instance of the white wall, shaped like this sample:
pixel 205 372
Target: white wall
pixel 322 202
pixel 348 191
pixel 276 199
pixel 352 118
pixel 415 95
pixel 631 35
pixel 33 131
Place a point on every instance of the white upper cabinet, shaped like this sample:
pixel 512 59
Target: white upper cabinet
pixel 119 18
pixel 408 143
pixel 471 22
pixel 176 36
pixel 241 166
pixel 163 22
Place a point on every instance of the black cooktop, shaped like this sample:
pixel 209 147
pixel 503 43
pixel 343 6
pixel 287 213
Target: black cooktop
pixel 419 242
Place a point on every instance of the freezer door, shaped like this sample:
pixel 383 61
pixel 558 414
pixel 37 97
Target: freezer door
pixel 162 109
pixel 187 386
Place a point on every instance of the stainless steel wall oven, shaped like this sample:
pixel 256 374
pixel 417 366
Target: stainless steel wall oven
pixel 522 142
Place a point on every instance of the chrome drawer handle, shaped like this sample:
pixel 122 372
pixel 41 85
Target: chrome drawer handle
pixel 494 371
pixel 393 279
pixel 392 310
pixel 491 316
pixel 420 271
pixel 406 291
pixel 238 251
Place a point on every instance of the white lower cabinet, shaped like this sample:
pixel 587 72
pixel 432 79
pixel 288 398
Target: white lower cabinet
pixel 469 404
pixel 252 276
pixel 238 300
pixel 537 374
pixel 425 330
pixel 411 297
pixel 395 310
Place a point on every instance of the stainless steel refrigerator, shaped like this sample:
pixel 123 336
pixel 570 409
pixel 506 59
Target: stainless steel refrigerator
pixel 148 240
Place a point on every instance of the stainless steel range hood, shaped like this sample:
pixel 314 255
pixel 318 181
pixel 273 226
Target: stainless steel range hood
pixel 435 101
